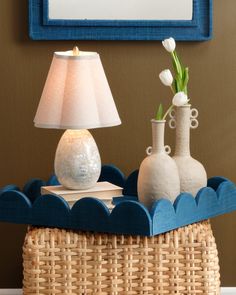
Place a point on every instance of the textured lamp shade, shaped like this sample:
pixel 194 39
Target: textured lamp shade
pixel 76 94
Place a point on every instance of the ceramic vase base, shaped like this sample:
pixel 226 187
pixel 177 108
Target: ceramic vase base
pixel 193 176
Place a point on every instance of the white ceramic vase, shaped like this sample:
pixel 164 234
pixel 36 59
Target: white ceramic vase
pixel 158 174
pixel 191 172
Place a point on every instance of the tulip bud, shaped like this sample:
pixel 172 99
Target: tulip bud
pixel 166 77
pixel 169 44
pixel 180 99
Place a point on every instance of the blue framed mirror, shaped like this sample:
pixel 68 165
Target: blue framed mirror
pixel 120 19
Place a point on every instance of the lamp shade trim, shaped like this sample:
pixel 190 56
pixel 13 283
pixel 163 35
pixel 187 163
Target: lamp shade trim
pixel 76 127
pixel 82 55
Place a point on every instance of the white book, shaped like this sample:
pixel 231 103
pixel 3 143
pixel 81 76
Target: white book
pixel 103 191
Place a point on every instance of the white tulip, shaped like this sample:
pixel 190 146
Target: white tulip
pixel 169 44
pixel 180 99
pixel 166 77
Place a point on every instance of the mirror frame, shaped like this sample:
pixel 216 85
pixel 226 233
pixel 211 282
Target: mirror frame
pixel 197 29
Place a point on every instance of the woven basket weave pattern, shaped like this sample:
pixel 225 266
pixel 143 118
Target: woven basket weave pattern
pixel 181 262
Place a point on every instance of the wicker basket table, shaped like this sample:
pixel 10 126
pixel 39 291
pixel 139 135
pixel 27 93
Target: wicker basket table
pixel 179 262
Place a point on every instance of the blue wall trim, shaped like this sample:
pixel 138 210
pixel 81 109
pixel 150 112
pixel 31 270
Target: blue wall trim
pixel 42 28
pixel 127 217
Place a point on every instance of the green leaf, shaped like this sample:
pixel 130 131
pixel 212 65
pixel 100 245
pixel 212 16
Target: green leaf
pixel 181 74
pixel 186 77
pixel 176 86
pixel 179 82
pixel 174 63
pixel 178 64
pixel 159 113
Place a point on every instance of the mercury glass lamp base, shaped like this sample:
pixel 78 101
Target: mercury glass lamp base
pixel 77 161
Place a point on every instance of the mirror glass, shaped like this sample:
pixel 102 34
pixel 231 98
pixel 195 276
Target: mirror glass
pixel 120 9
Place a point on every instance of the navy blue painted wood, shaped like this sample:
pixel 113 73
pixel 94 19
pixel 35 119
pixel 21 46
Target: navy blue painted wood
pixel 112 174
pixel 32 188
pixel 214 182
pixel 117 200
pixel 9 187
pixel 52 211
pixel 130 187
pixel 207 201
pixel 128 216
pixel 15 207
pixel 53 180
pixel 90 214
pixel 185 209
pixel 42 28
pixel 163 216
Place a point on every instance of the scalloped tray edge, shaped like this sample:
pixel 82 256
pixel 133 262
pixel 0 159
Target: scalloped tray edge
pixel 127 217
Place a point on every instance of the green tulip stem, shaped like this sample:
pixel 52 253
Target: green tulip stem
pixel 172 89
pixel 168 111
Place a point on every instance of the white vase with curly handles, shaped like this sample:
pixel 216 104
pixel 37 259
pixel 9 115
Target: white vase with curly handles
pixel 158 174
pixel 191 172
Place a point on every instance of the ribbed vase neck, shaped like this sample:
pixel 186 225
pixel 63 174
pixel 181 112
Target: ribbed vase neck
pixel 158 134
pixel 182 143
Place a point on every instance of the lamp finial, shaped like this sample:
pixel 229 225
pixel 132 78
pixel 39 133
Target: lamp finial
pixel 75 51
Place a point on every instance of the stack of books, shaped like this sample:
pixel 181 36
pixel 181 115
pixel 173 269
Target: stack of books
pixel 104 191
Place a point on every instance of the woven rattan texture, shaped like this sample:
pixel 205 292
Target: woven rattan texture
pixel 180 262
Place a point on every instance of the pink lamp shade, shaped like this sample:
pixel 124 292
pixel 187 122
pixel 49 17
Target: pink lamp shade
pixel 76 94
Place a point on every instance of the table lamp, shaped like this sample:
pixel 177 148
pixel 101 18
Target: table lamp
pixel 76 97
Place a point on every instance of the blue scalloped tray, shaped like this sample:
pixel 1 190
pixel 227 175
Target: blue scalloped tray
pixel 128 216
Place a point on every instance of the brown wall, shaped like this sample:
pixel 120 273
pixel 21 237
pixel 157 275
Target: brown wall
pixel 132 69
